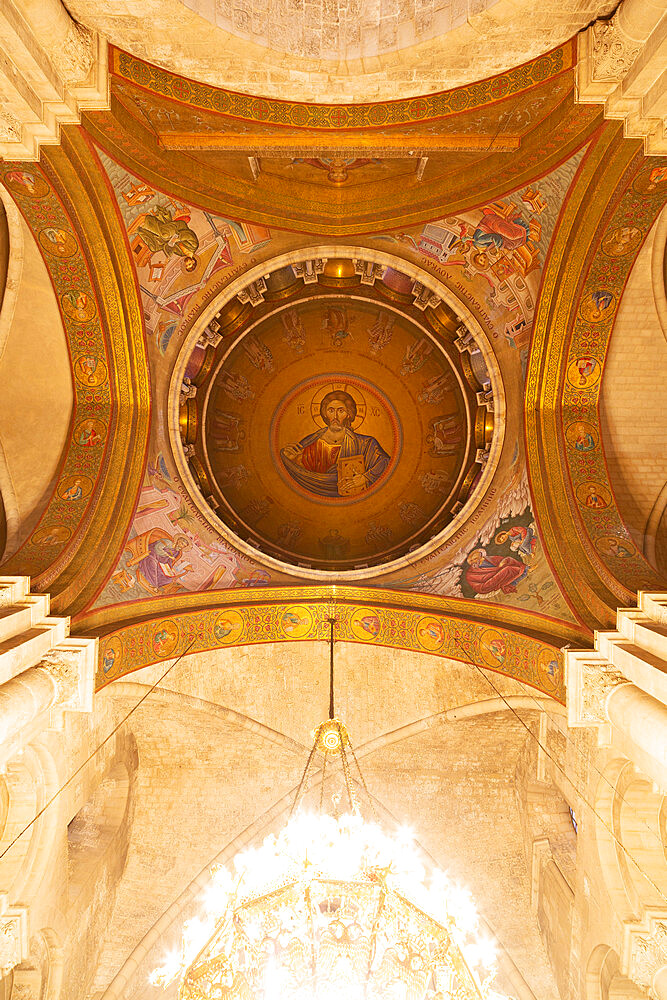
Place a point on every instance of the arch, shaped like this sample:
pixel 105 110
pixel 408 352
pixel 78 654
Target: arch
pixel 629 833
pixel 97 844
pixel 609 864
pixel 637 815
pixel 27 788
pixel 637 351
pixel 30 449
pixel 95 828
pixel 536 662
pixel 137 961
pixel 600 575
pixel 40 975
pixel 601 968
pixel 80 206
pixel 603 980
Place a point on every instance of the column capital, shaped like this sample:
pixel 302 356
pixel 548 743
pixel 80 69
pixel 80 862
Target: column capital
pixel 620 63
pixel 645 950
pixel 14 937
pixel 589 681
pixel 71 666
pixel 612 51
pixel 63 69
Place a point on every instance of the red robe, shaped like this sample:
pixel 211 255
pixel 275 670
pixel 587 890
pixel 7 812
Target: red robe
pixel 495 573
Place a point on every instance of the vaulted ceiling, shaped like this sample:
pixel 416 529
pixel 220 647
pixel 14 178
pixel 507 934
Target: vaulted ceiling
pixel 451 266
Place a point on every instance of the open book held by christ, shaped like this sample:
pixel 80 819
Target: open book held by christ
pixel 350 466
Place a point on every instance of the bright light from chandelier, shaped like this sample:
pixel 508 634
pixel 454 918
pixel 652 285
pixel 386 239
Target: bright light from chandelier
pixel 332 909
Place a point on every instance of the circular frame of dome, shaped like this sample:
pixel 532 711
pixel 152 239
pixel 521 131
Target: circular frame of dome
pixel 223 321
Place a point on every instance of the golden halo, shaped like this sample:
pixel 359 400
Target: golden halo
pixel 339 386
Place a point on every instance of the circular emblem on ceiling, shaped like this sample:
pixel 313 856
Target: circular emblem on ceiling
pixel 336 439
pixel 335 431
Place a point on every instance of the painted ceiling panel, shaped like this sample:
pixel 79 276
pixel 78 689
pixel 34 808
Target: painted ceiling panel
pixel 262 288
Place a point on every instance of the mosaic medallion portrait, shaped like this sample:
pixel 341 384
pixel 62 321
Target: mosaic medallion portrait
pixel 336 461
pixel 335 433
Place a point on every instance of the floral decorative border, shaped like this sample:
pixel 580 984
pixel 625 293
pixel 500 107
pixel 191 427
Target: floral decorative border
pixel 269 111
pixel 78 204
pixel 137 645
pixel 599 202
pixel 54 533
pixel 634 209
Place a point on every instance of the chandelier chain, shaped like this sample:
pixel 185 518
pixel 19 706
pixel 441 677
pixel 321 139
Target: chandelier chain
pixel 324 771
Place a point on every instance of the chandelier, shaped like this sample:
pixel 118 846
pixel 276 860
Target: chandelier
pixel 332 908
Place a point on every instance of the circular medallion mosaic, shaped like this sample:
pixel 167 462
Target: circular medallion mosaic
pixel 336 433
pixel 337 462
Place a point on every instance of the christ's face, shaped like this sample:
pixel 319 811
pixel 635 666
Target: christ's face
pixel 336 415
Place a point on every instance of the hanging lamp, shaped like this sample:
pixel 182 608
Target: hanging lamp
pixel 332 908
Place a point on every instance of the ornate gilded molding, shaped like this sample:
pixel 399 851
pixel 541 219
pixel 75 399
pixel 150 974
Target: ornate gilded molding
pixel 99 621
pixel 610 210
pixel 69 208
pixel 613 251
pixel 151 129
pixel 300 618
pixel 46 214
pixel 340 116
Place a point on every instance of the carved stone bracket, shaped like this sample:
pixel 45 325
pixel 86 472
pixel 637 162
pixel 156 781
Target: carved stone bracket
pixel 464 339
pixel 309 270
pixel 210 337
pixel 424 297
pixel 188 390
pixel 72 666
pixel 14 941
pixel 485 397
pixel 369 271
pixel 253 293
pixel 589 679
pixel 645 950
pixel 613 53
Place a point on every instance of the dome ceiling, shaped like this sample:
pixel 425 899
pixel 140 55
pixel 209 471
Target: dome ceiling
pixel 337 50
pixel 228 284
pixel 340 430
pixel 338 29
